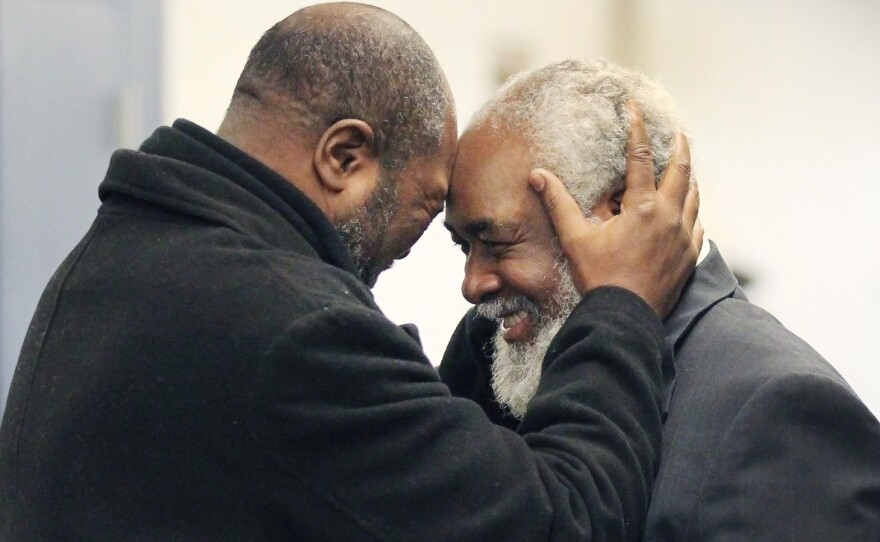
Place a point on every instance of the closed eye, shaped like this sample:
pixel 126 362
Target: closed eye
pixel 496 249
pixel 461 244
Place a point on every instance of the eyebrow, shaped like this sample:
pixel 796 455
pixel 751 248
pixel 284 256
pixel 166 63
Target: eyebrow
pixel 475 228
pixel 437 200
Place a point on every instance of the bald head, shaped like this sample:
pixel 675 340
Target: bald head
pixel 344 60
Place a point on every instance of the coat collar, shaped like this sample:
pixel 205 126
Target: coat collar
pixel 187 168
pixel 711 282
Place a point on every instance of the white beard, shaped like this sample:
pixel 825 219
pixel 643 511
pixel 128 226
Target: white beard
pixel 516 367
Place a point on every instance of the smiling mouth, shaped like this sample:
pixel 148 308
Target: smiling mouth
pixel 517 316
pixel 511 320
pixel 517 327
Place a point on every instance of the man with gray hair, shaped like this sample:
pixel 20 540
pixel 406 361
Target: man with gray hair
pixel 763 439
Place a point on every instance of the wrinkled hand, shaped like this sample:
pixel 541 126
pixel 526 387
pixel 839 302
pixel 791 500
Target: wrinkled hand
pixel 651 247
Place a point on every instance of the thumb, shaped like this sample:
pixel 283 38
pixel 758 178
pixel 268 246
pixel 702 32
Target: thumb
pixel 564 212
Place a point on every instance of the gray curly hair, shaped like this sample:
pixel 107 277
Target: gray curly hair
pixel 572 115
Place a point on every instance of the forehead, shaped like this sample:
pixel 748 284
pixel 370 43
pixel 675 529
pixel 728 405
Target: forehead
pixel 429 175
pixel 490 179
pixel 449 144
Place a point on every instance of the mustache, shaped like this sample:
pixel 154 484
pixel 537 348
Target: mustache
pixel 501 307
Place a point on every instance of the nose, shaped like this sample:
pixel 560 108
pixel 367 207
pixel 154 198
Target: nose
pixel 480 279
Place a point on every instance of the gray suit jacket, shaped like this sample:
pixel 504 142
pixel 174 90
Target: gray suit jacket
pixel 763 439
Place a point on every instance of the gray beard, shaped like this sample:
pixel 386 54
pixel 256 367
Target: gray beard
pixel 364 232
pixel 516 367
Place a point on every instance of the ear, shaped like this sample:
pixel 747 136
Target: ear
pixel 346 166
pixel 608 205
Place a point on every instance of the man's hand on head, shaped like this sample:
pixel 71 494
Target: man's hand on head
pixel 651 247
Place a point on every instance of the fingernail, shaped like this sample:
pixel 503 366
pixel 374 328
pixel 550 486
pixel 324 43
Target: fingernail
pixel 537 182
pixel 632 108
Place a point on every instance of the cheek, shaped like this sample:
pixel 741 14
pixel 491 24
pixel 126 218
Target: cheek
pixel 535 277
pixel 406 230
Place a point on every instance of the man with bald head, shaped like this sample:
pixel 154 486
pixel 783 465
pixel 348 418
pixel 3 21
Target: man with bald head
pixel 209 363
pixel 763 439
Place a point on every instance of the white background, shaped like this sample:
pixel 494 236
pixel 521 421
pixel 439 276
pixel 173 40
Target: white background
pixel 782 99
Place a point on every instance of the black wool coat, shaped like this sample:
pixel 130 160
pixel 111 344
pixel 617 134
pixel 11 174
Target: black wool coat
pixel 206 365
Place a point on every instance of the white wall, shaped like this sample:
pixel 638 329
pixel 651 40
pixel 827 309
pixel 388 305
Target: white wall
pixel 783 99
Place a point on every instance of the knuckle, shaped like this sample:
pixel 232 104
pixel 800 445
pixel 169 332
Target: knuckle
pixel 551 201
pixel 677 222
pixel 641 153
pixel 648 206
pixel 683 167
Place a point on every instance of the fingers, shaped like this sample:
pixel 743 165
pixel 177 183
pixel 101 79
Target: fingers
pixel 676 178
pixel 639 164
pixel 564 212
pixel 691 208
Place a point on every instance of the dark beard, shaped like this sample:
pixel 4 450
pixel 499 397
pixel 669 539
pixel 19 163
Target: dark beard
pixel 364 233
